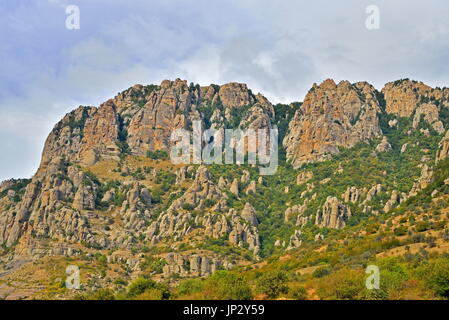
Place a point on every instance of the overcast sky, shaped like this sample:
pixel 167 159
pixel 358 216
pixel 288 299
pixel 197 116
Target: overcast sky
pixel 279 48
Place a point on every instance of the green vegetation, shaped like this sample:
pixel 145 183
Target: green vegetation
pixel 224 285
pixel 272 284
pixel 153 265
pixel 436 276
pixel 18 188
pixel 157 155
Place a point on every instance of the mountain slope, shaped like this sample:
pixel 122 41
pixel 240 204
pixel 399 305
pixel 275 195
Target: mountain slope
pixel 107 197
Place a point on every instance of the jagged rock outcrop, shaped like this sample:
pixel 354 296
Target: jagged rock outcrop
pixel 8 184
pixel 142 118
pixel 333 214
pixel 181 175
pixel 395 199
pixel 294 211
pixel 443 151
pixel 427 173
pixel 235 187
pixel 101 135
pixel 402 96
pixel 245 233
pixel 135 209
pixel 177 222
pixel 84 198
pixel 375 190
pixel 245 177
pixel 201 189
pixel 168 107
pixel 249 214
pixel 43 212
pixel 251 189
pixel 318 237
pixel 383 146
pixel 404 147
pixel 223 183
pixel 309 188
pixel 406 98
pixel 424 180
pixel 192 265
pixel 85 135
pixel 303 177
pixel 302 220
pixel 352 194
pixel 430 114
pixel 332 116
pixel 295 240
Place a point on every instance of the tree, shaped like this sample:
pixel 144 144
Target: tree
pixel 190 286
pixel 151 288
pixel 225 285
pixel 299 293
pixel 436 276
pixel 272 284
pixel 103 294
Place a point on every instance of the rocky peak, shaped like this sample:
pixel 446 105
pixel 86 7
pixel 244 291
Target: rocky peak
pixel 142 118
pixel 332 116
pixel 249 214
pixel 443 151
pixel 236 95
pixel 407 98
pixel 402 96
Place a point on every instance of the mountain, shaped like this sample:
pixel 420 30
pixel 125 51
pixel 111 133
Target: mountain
pixel 358 167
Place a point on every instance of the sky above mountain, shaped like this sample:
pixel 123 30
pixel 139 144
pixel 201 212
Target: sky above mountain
pixel 279 48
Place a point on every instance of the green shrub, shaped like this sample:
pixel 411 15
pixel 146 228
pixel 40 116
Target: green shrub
pixel 321 272
pixel 422 226
pixel 103 294
pixel 436 276
pixel 272 284
pixel 400 231
pixel 344 284
pixel 190 286
pixel 209 203
pixel 299 293
pixel 153 265
pixel 225 285
pixel 188 206
pixel 157 155
pixel 142 285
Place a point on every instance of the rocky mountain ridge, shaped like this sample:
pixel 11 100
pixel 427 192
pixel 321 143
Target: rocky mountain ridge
pixel 105 183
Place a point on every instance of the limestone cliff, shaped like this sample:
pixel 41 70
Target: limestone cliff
pixel 332 116
pixel 406 98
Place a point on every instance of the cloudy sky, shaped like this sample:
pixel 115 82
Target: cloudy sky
pixel 280 48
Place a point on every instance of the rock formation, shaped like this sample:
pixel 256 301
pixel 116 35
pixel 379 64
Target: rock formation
pixel 352 194
pixel 333 214
pixel 136 203
pixel 383 146
pixel 332 116
pixel 406 98
pixel 303 177
pixel 443 151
